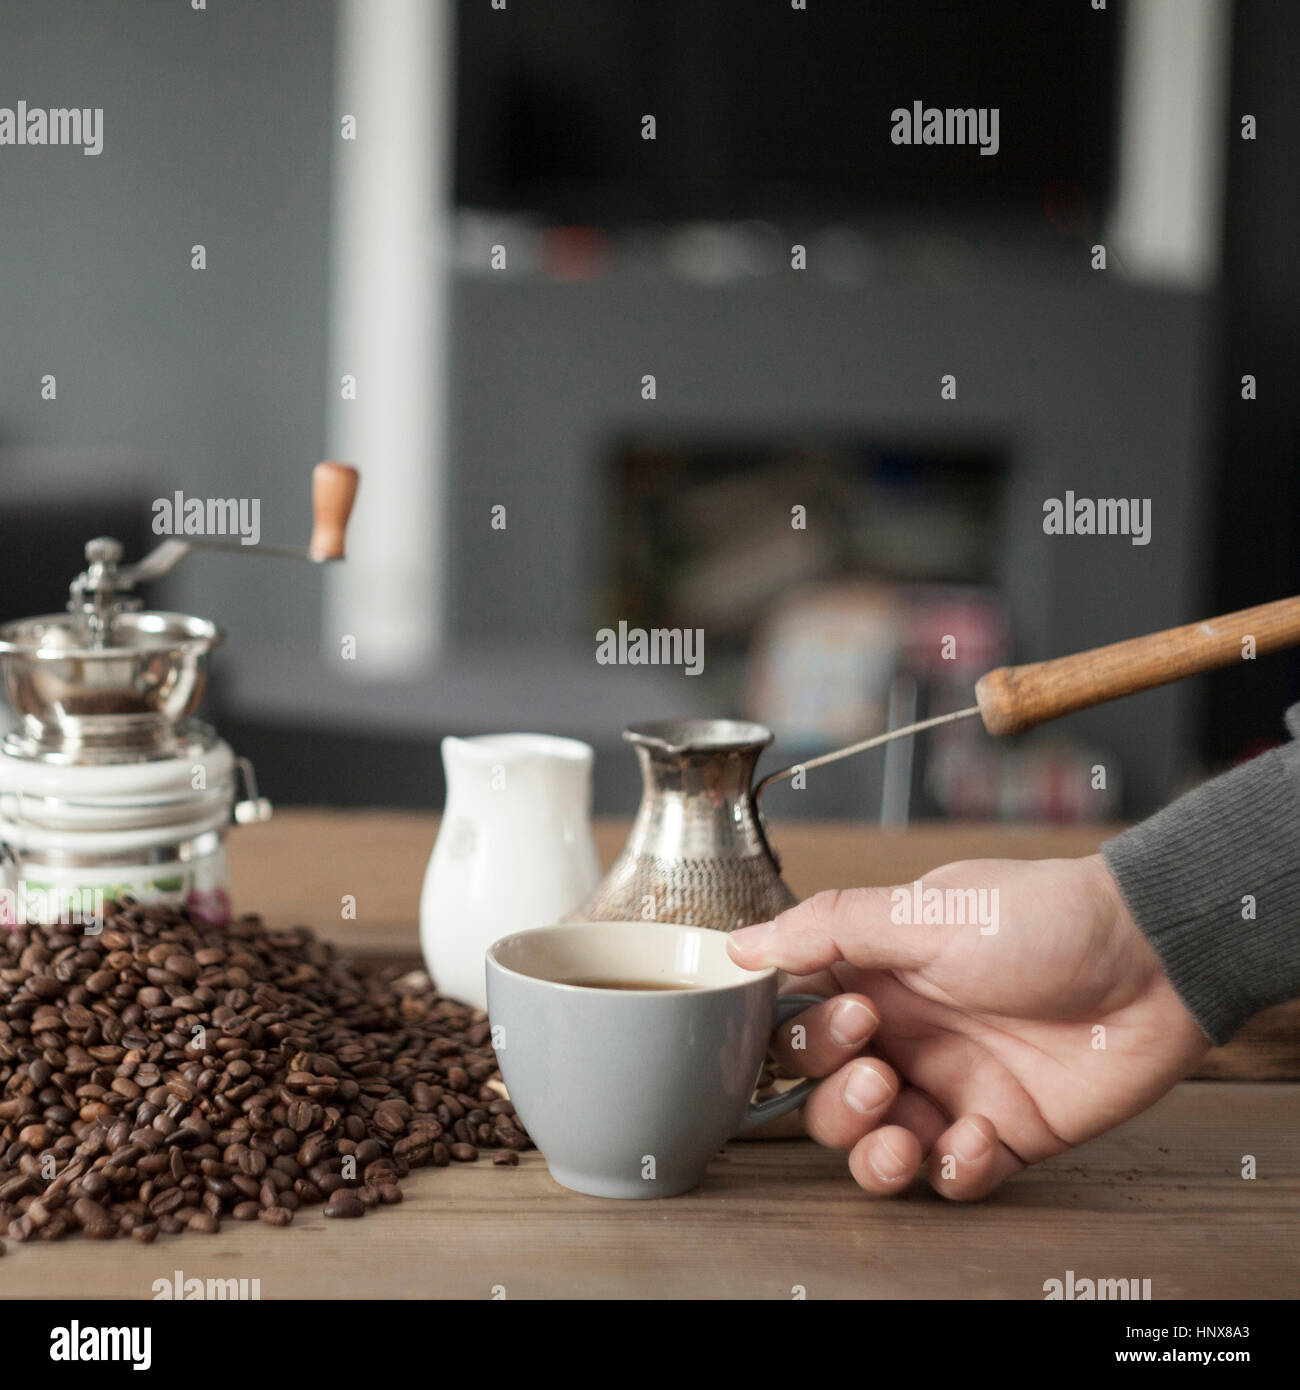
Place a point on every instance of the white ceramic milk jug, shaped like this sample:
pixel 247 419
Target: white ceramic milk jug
pixel 514 850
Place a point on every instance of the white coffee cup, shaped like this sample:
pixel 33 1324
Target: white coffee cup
pixel 629 1092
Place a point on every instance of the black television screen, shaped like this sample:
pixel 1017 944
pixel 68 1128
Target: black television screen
pixel 765 110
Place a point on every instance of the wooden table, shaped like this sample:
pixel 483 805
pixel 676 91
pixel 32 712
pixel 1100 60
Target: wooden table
pixel 1160 1198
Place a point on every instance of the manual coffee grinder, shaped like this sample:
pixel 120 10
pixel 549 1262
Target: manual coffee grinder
pixel 109 785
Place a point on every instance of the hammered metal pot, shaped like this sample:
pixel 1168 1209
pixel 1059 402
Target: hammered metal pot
pixel 697 853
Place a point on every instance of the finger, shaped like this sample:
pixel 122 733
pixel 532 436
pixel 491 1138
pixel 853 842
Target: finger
pixel 845 1106
pixel 915 1111
pixel 969 1160
pixel 821 1039
pixel 823 983
pixel 843 924
pixel 886 1161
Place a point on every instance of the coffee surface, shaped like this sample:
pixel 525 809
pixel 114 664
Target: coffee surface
pixel 631 984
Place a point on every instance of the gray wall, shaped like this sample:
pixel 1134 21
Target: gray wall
pixel 1090 384
pixel 217 130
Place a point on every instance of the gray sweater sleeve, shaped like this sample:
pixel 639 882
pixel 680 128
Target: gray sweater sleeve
pixel 1214 882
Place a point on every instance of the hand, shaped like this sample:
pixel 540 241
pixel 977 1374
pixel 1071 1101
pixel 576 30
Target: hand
pixel 989 1050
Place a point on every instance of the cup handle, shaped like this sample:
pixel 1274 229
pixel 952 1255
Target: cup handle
pixel 787 1005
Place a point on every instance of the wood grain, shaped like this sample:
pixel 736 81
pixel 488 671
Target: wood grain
pixel 1015 698
pixel 300 866
pixel 1161 1198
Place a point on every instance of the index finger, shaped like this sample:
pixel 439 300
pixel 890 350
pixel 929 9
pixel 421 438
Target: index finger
pixel 841 924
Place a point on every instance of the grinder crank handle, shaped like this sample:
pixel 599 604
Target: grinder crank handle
pixel 333 491
pixel 1015 698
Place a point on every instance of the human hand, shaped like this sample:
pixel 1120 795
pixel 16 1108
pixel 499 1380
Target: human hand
pixel 988 1050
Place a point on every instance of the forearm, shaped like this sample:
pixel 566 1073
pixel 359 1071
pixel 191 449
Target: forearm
pixel 1213 880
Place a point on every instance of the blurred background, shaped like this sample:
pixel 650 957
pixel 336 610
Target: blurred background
pixel 438 244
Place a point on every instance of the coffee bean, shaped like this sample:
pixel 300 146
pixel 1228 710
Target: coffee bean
pixel 18 1186
pixel 389 1120
pixel 415 1149
pixel 286 1143
pixel 167 1202
pixel 184 967
pixel 87 1211
pixel 252 1163
pixel 94 1184
pixel 344 1203
pixel 301 1116
pixel 275 1216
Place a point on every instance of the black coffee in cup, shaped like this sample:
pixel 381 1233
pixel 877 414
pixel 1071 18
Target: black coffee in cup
pixel 630 984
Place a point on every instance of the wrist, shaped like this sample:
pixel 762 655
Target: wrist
pixel 1141 962
pixel 1134 957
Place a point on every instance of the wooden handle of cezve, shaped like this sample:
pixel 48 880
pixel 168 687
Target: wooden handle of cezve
pixel 333 491
pixel 1014 698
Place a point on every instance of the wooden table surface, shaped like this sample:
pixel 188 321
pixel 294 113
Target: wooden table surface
pixel 1161 1198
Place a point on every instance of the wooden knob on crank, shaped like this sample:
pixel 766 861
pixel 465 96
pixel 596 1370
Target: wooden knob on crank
pixel 333 491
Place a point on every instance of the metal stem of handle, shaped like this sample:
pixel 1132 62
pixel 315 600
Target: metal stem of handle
pixel 887 737
pixel 165 557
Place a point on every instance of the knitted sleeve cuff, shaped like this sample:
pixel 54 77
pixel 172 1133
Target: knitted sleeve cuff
pixel 1213 880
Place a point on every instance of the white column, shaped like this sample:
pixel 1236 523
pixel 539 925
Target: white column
pixel 1167 222
pixel 390 231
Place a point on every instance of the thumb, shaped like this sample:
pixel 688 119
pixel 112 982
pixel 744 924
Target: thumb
pixel 841 924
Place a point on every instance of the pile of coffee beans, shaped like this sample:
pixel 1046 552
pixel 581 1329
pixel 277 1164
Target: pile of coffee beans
pixel 166 1074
